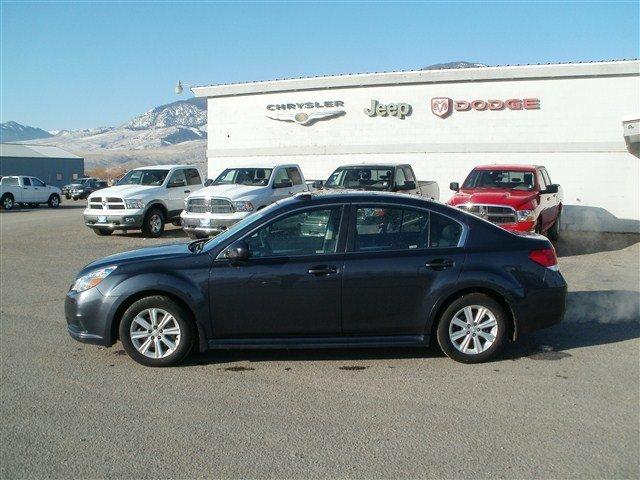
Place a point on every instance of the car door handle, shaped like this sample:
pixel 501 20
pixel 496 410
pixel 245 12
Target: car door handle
pixel 187 191
pixel 439 264
pixel 319 270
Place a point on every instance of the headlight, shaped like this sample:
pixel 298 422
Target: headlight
pixel 243 206
pixel 92 279
pixel 524 215
pixel 134 203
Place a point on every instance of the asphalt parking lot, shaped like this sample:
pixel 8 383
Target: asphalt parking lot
pixel 564 402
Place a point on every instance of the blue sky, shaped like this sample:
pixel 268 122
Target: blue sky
pixel 89 64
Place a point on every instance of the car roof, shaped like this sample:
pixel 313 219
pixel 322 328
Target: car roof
pixel 262 164
pixel 513 167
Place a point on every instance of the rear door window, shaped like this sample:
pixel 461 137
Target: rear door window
pixel 193 177
pixel 444 232
pixel 26 181
pixel 381 228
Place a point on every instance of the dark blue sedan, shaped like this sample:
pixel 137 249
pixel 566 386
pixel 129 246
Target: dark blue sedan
pixel 352 269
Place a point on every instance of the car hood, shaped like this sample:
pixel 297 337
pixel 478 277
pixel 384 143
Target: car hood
pixel 125 191
pixel 148 253
pixel 229 191
pixel 494 196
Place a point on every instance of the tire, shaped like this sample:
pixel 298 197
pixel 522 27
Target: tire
pixel 75 199
pixel 144 349
pixel 103 232
pixel 54 201
pixel 177 223
pixel 554 232
pixel 451 333
pixel 196 236
pixel 68 197
pixel 7 202
pixel 153 223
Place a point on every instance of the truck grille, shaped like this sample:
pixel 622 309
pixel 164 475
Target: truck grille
pixel 209 205
pixel 106 203
pixel 493 213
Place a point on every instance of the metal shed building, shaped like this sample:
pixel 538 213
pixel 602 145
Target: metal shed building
pixel 52 165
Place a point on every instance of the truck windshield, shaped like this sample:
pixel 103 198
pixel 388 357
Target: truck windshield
pixel 361 178
pixel 244 176
pixel 144 177
pixel 500 179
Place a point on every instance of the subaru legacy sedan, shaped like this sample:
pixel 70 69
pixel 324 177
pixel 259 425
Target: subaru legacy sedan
pixel 352 269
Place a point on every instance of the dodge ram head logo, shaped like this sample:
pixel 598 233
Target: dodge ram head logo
pixel 442 106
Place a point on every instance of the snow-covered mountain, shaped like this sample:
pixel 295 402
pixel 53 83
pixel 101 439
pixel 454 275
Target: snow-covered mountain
pixel 183 113
pixel 452 65
pixel 15 132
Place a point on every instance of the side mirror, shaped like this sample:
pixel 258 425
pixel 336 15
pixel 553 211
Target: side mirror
pixel 409 185
pixel 238 250
pixel 455 186
pixel 553 188
pixel 287 183
pixel 177 183
pixel 208 182
pixel 318 184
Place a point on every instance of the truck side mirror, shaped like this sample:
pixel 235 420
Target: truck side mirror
pixel 208 182
pixel 317 183
pixel 177 183
pixel 553 188
pixel 238 250
pixel 455 186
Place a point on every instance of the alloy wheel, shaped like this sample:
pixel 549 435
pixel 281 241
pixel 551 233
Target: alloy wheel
pixel 155 333
pixel 155 222
pixel 7 203
pixel 473 329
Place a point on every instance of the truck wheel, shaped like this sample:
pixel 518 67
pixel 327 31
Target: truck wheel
pixel 153 224
pixel 177 223
pixel 54 201
pixel 7 201
pixel 554 232
pixel 68 197
pixel 103 232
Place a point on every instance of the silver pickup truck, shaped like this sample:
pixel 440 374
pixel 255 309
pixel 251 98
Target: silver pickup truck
pixel 387 177
pixel 236 193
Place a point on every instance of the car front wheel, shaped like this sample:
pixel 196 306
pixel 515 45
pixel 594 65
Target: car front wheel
pixel 156 331
pixel 7 202
pixel 472 329
pixel 54 201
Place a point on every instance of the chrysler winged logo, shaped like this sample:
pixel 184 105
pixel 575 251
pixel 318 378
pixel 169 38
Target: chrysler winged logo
pixel 306 119
pixel 442 106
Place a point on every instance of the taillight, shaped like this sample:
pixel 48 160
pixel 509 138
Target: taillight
pixel 545 257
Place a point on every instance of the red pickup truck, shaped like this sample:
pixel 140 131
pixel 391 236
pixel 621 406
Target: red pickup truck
pixel 515 197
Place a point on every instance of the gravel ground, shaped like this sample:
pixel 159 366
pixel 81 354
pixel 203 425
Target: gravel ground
pixel 563 402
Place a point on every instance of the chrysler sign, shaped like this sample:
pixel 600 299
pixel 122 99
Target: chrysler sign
pixel 444 106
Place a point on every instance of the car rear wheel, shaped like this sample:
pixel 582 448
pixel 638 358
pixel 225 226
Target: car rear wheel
pixel 7 202
pixel 54 201
pixel 103 232
pixel 472 329
pixel 153 224
pixel 157 332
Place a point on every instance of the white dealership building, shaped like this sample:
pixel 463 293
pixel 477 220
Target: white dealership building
pixel 580 120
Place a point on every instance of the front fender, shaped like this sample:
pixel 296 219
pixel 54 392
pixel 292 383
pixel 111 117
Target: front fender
pixel 186 290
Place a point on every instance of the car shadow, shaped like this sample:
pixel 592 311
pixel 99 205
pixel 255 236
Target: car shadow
pixel 592 318
pixel 574 243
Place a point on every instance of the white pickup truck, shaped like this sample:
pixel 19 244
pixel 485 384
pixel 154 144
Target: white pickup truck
pixel 236 193
pixel 145 198
pixel 29 191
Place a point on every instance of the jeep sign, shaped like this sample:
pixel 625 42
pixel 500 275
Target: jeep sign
pixel 399 110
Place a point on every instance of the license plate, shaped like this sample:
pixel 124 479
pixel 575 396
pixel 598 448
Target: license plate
pixel 204 222
pixel 102 219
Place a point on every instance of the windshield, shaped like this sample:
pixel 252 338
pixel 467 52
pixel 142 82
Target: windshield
pixel 362 178
pixel 244 176
pixel 144 177
pixel 500 179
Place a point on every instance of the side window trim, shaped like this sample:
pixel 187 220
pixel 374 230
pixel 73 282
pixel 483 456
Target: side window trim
pixel 352 228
